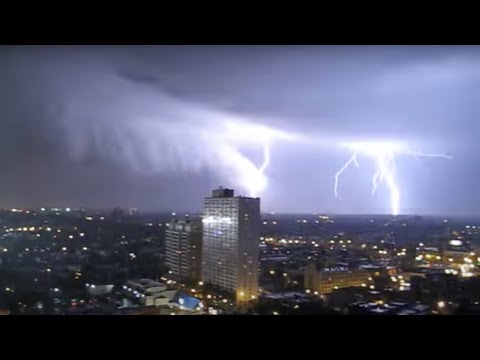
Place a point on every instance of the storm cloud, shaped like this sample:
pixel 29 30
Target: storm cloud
pixel 157 127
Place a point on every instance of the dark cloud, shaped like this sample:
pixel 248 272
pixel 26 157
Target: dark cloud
pixel 137 126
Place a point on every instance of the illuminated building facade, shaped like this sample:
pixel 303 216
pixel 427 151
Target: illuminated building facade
pixel 456 258
pixel 429 256
pixel 231 235
pixel 183 248
pixel 325 281
pixel 461 262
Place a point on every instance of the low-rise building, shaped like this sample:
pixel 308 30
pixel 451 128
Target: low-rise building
pixel 325 280
pixel 145 291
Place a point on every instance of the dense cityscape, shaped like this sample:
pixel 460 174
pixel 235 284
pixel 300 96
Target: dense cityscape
pixel 239 180
pixel 232 260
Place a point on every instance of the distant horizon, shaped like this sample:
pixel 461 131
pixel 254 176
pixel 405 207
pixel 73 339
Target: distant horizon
pixel 263 213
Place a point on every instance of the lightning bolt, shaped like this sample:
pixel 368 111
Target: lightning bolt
pixel 384 154
pixel 352 160
pixel 419 154
pixel 266 158
pixel 375 179
pixel 386 169
pixel 260 183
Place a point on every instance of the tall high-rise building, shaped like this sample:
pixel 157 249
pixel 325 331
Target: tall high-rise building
pixel 183 248
pixel 231 231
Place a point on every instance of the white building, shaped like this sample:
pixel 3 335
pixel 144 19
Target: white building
pixel 231 231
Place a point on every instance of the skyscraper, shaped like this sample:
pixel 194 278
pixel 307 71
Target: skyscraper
pixel 183 248
pixel 231 231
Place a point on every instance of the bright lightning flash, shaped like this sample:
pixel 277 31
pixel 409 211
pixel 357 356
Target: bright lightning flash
pixel 384 154
pixel 260 183
pixel 251 135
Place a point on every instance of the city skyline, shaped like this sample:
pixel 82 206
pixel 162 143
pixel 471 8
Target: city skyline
pixel 232 261
pixel 156 127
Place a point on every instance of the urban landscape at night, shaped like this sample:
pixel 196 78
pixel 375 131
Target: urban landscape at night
pixel 231 260
pixel 239 180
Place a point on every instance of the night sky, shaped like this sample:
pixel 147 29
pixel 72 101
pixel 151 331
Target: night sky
pixel 145 127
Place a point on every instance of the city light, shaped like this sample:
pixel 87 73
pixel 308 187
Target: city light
pixel 213 220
